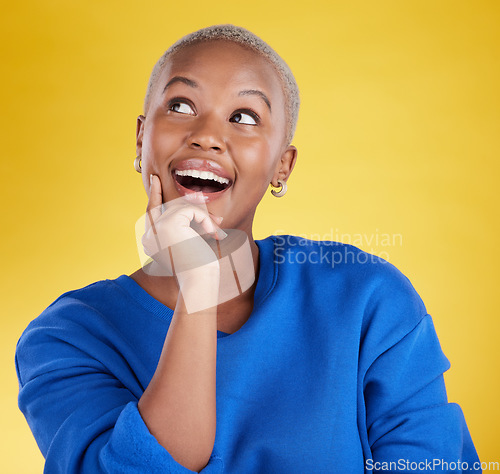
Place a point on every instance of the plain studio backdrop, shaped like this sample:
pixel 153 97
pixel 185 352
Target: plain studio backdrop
pixel 398 154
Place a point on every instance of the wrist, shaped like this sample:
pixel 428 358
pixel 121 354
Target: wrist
pixel 199 287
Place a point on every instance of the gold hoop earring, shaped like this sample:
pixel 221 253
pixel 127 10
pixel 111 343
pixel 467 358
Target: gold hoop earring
pixel 137 164
pixel 282 191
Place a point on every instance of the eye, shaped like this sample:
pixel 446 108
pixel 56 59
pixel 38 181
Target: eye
pixel 243 118
pixel 181 107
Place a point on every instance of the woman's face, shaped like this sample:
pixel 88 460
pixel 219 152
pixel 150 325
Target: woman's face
pixel 217 111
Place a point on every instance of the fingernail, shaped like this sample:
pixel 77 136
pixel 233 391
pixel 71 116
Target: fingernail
pixel 221 234
pixel 150 181
pixel 196 196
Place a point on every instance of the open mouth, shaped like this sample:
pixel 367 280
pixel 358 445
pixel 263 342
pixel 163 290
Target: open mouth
pixel 204 181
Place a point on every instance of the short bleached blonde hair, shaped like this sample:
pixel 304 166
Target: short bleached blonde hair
pixel 239 35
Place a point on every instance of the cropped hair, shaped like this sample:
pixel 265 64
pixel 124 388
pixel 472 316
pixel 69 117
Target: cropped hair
pixel 239 35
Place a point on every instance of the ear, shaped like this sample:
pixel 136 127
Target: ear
pixel 285 165
pixel 138 134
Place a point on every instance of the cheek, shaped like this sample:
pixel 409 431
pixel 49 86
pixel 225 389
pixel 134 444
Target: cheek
pixel 158 143
pixel 256 169
pixel 257 160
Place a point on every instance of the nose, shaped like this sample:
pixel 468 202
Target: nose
pixel 207 135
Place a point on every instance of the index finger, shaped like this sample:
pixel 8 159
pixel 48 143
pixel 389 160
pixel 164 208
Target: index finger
pixel 155 198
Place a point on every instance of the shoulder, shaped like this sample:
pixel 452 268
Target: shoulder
pixel 73 322
pixel 383 297
pixel 338 260
pixel 72 305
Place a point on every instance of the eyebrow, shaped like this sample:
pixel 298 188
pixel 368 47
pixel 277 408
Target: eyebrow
pixel 194 84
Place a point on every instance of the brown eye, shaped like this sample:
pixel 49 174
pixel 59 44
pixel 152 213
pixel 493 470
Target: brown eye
pixel 246 118
pixel 180 107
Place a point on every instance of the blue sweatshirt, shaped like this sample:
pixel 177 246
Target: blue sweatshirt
pixel 337 370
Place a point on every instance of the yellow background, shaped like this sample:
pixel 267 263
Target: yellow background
pixel 397 134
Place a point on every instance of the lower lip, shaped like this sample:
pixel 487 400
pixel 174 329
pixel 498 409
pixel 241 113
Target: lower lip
pixel 209 196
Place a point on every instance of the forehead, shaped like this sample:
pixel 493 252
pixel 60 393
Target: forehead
pixel 226 65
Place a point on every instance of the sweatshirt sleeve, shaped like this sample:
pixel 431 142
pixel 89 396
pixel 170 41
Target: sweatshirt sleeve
pixel 410 422
pixel 410 425
pixel 84 419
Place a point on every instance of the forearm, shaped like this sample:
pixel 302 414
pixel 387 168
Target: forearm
pixel 179 405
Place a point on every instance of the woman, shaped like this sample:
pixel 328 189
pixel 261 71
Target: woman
pixel 323 360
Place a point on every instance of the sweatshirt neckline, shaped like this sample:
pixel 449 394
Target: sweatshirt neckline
pixel 265 283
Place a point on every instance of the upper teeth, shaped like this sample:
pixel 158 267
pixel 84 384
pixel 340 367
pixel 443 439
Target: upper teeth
pixel 202 175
